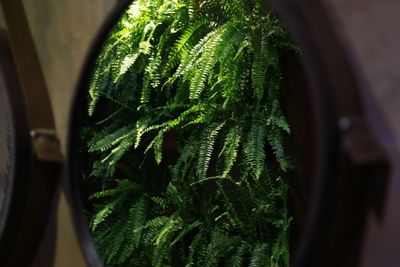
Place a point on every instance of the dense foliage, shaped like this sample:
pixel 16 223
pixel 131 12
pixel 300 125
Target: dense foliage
pixel 186 137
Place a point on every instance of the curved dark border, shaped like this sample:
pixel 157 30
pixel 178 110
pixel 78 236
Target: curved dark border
pixel 334 227
pixel 332 81
pixel 34 181
pixel 36 177
pixel 22 158
pixel 73 167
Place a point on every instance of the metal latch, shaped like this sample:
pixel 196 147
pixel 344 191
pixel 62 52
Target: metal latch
pixel 359 143
pixel 46 145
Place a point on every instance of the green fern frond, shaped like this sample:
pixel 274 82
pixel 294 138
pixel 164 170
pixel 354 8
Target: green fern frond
pixel 127 63
pixel 174 195
pixel 196 247
pixel 189 61
pixel 98 170
pixel 186 155
pixel 164 239
pixel 102 215
pixel 259 256
pixel 105 142
pixel 115 155
pixel 219 247
pixel 138 216
pixel 230 148
pixel 205 64
pixel 151 77
pixel 161 202
pixel 186 229
pixel 206 149
pixel 142 126
pixel 118 239
pixel 276 143
pixel 156 144
pixel 233 217
pixel 238 257
pixel 118 195
pixel 277 119
pixel 124 187
pixel 210 72
pixel 181 47
pixel 254 148
pixel 94 91
pixel 258 70
pixel 212 178
pixel 153 226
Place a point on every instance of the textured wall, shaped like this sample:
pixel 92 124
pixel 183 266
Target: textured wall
pixel 63 32
pixel 372 30
pixel 372 43
pixel 2 23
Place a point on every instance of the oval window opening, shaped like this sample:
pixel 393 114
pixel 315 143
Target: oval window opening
pixel 194 150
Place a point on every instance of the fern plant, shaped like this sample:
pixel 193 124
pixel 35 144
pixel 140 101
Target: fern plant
pixel 186 137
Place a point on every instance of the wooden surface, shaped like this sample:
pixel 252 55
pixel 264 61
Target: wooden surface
pixel 2 23
pixel 63 32
pixel 371 28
